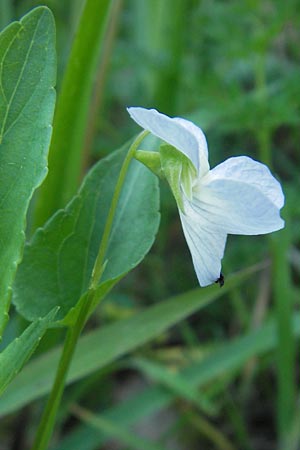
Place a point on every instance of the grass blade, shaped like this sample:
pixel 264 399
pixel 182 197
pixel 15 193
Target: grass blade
pixel 229 357
pixel 65 158
pixel 36 379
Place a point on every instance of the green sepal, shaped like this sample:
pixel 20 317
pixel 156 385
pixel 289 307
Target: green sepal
pixel 172 168
pixel 150 160
pixel 179 171
pixel 188 176
pixel 173 165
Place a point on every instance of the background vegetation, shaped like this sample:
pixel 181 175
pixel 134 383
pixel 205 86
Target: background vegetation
pixel 226 377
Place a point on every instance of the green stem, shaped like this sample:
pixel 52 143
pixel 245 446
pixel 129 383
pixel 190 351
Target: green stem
pixel 49 415
pixel 283 294
pixel 98 267
pixel 48 419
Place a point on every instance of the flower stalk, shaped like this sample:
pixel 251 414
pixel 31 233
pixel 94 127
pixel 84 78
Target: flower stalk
pixel 47 422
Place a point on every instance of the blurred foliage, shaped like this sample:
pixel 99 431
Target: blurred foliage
pixel 233 68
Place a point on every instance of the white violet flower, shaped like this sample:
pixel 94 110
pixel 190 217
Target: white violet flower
pixel 239 196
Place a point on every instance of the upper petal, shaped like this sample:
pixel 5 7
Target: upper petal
pixel 202 143
pixel 180 133
pixel 242 196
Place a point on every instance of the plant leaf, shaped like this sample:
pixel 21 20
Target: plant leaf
pixel 13 358
pixel 27 97
pixel 99 348
pixel 61 255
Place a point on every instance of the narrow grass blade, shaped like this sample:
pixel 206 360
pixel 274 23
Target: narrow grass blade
pixel 100 348
pixel 65 157
pixel 228 358
pixel 286 351
pixel 13 358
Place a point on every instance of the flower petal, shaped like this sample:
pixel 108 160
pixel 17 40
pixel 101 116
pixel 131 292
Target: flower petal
pixel 206 243
pixel 180 133
pixel 202 143
pixel 243 168
pixel 241 196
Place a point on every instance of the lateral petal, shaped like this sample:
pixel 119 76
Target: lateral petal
pixel 241 196
pixel 180 133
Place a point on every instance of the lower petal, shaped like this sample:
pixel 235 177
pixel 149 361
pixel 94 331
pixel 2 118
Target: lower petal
pixel 206 244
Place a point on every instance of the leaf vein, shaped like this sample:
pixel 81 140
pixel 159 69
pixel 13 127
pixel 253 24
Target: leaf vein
pixel 9 104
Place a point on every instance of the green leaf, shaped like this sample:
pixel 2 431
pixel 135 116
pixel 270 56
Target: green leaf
pixel 27 97
pixel 61 255
pixel 99 348
pixel 13 358
pixel 66 155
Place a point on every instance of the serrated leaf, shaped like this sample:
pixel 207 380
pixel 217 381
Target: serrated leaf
pixel 27 97
pixel 13 358
pixel 58 262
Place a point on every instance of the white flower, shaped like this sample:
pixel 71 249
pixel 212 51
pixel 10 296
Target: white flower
pixel 239 196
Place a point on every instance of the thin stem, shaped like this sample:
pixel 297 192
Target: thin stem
pixel 283 294
pixel 48 419
pixel 98 267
